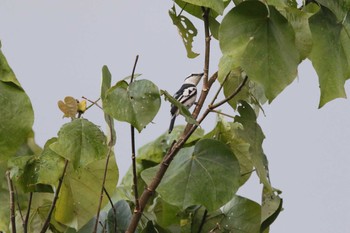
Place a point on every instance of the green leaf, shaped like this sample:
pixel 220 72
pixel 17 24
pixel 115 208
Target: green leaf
pixel 182 109
pixel 340 8
pixel 50 165
pixel 186 29
pixel 271 207
pixel 106 84
pixel 283 3
pixel 329 55
pixel 197 12
pixel 81 142
pixel 263 42
pixel 167 216
pixel 233 81
pixel 78 199
pixel 216 5
pixel 121 220
pixel 240 215
pixel 106 81
pixel 227 132
pixel 6 73
pixel 136 104
pixel 253 135
pixel 205 174
pixel 16 112
pixel 300 23
pixel 233 76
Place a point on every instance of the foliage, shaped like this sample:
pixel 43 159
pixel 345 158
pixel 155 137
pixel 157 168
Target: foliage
pixel 189 178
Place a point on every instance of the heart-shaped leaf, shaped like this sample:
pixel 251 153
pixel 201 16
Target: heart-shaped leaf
pixel 16 112
pixel 81 142
pixel 205 174
pixel 137 104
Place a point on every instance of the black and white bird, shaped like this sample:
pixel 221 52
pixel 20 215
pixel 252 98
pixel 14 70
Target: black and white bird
pixel 186 95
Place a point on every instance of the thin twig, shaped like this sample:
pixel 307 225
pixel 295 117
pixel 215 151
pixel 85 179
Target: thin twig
pixel 113 208
pixel 238 89
pixel 133 151
pixel 134 170
pixel 25 223
pixel 102 188
pixel 53 205
pixel 12 202
pixel 18 206
pixel 220 88
pixel 221 113
pixel 203 221
pixel 92 103
pixel 133 69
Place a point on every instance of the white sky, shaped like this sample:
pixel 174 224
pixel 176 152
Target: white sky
pixel 57 48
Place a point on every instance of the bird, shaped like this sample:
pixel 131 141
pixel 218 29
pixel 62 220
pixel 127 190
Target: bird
pixel 186 95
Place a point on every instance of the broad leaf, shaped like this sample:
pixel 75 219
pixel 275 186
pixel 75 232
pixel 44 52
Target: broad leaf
pixel 263 42
pixel 106 84
pixel 205 174
pixel 227 132
pixel 16 112
pixel 197 11
pixel 216 5
pixel 252 134
pixel 340 8
pixel 81 142
pixel 136 104
pixel 182 109
pixel 329 54
pixel 6 73
pixel 240 215
pixel 49 166
pixel 186 30
pixel 300 22
pixel 166 215
pixel 119 220
pixel 80 192
pixel 271 207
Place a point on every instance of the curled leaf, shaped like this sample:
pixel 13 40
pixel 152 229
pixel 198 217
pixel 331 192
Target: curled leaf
pixel 186 29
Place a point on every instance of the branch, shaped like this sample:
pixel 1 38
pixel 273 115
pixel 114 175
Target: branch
pixel 60 181
pixel 103 185
pixel 12 202
pixel 207 47
pixel 114 210
pixel 203 221
pixel 25 222
pixel 189 129
pixel 133 153
pixel 238 89
pixel 92 102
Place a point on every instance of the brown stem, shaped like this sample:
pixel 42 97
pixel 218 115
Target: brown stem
pixel 113 208
pixel 134 170
pixel 102 189
pixel 207 47
pixel 238 89
pixel 189 129
pixel 12 202
pixel 25 222
pixel 60 181
pixel 203 221
pixel 133 153
pixel 148 192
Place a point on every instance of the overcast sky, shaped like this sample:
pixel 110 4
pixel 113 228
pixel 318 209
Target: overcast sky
pixel 57 48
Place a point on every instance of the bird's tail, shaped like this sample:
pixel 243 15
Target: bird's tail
pixel 172 122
